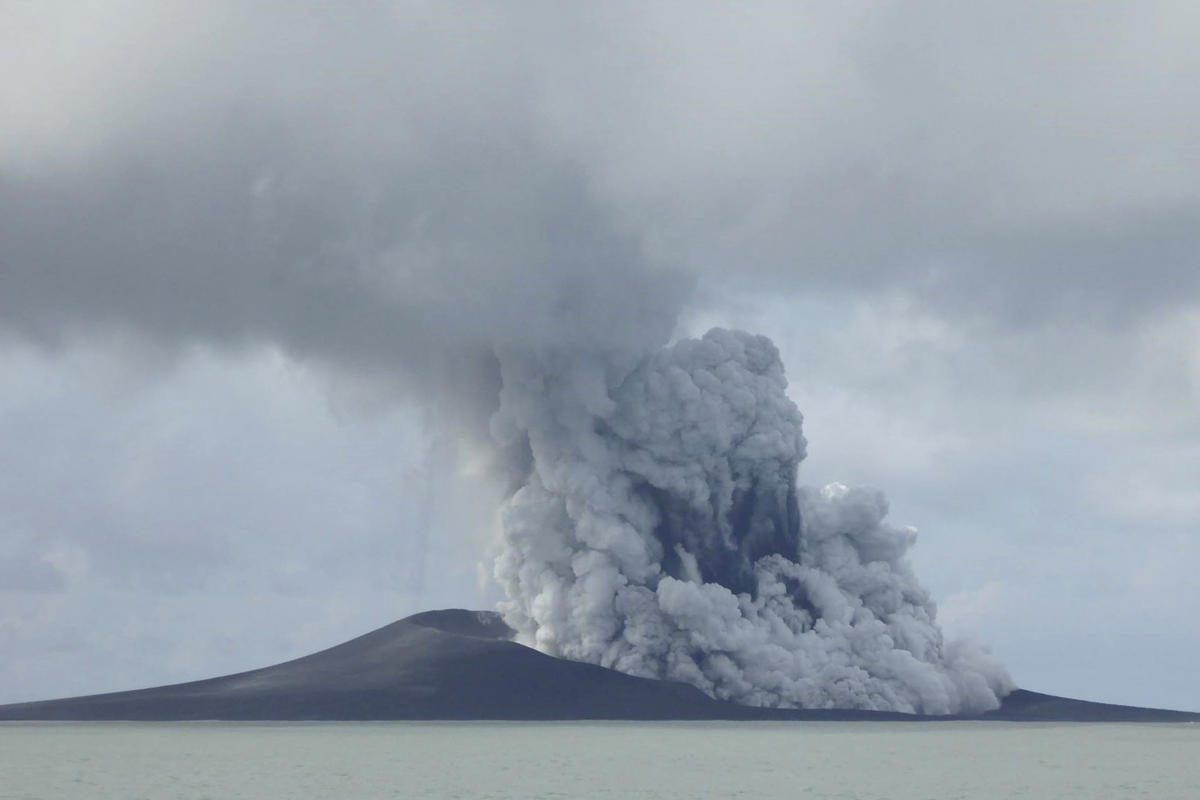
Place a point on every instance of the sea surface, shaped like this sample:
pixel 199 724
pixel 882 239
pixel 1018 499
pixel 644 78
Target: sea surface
pixel 598 760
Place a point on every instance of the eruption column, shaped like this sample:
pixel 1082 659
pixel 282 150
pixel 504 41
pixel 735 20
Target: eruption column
pixel 661 532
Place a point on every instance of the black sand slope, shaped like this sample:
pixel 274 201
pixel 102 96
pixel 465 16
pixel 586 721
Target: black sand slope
pixel 1024 705
pixel 456 664
pixel 436 665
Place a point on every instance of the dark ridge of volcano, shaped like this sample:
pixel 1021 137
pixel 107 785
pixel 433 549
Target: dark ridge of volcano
pixel 476 624
pixel 1024 705
pixel 459 665
pixel 452 664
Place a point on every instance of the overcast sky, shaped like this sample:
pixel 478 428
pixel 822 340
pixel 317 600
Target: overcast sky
pixel 253 255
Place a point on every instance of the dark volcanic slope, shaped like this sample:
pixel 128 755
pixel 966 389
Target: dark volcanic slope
pixel 1026 705
pixel 436 665
pixel 460 665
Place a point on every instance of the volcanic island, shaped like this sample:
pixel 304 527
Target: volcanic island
pixel 457 664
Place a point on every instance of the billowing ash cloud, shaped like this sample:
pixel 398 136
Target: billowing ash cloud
pixel 389 190
pixel 661 533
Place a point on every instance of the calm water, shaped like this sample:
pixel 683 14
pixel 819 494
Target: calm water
pixel 597 760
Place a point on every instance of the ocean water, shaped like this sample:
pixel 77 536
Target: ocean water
pixel 597 760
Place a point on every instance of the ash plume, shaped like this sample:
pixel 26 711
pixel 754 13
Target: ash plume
pixel 392 194
pixel 661 533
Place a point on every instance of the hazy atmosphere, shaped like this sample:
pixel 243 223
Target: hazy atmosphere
pixel 264 269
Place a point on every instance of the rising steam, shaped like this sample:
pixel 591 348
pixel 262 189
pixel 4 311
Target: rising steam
pixel 661 533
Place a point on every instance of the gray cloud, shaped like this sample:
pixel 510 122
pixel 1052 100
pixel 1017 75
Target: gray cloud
pixel 1022 160
pixel 29 574
pixel 366 188
pixel 365 183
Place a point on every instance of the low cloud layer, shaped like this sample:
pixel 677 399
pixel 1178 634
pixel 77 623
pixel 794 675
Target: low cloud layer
pixel 394 175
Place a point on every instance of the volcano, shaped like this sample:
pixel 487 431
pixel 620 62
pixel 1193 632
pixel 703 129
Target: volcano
pixel 462 665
